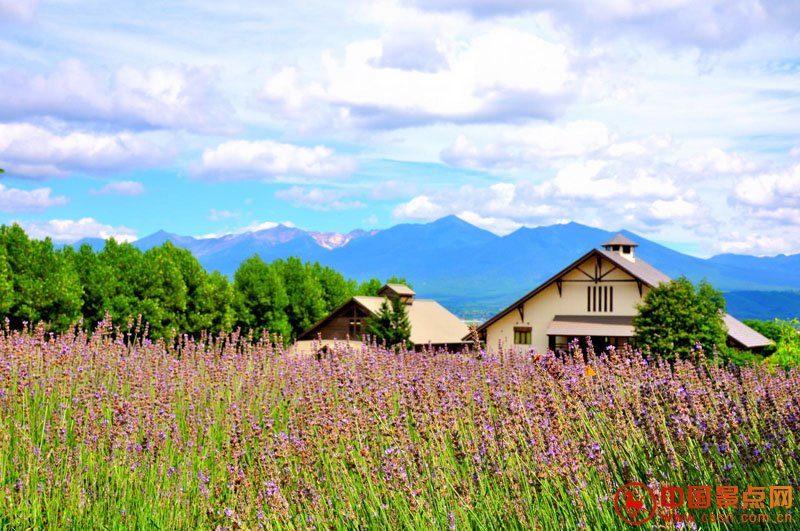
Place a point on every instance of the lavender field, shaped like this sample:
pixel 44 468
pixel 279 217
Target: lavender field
pixel 109 431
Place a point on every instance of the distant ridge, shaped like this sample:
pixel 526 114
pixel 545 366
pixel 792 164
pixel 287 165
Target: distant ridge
pixel 475 272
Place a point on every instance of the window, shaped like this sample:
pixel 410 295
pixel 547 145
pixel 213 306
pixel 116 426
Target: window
pixel 355 329
pixel 626 249
pixel 522 335
pixel 599 298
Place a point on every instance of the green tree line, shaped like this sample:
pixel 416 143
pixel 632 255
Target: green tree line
pixel 164 285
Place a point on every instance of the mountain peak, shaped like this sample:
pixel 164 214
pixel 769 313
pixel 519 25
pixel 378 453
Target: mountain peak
pixel 450 221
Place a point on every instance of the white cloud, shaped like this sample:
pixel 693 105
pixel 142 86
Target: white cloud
pixel 14 200
pixel 127 188
pixel 707 24
pixel 221 215
pixel 492 224
pixel 595 192
pixel 500 75
pixel 673 210
pixel 391 189
pixel 505 203
pixel 252 227
pixel 70 231
pixel 758 245
pixel 421 207
pixel 595 180
pixel 163 97
pixel 318 199
pixel 716 161
pixel 17 9
pixel 411 50
pixel 648 147
pixel 526 146
pixel 770 190
pixel 268 160
pixel 31 151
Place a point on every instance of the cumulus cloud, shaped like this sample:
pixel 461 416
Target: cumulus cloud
pixel 164 97
pixel 772 202
pixel 501 75
pixel 716 161
pixel 770 189
pixel 31 151
pixel 528 146
pixel 319 199
pixel 267 160
pixel 411 50
pixel 70 231
pixel 17 9
pixel 707 24
pixel 592 192
pixel 672 211
pixel 759 245
pixel 13 200
pixel 127 188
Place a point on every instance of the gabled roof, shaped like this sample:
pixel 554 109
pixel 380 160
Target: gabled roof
pixel 639 269
pixel 400 289
pixel 430 321
pixel 743 334
pixel 621 239
pixel 649 275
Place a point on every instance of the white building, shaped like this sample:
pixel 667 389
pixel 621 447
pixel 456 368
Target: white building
pixel 594 296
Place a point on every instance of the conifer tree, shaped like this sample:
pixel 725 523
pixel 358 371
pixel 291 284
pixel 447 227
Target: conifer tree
pixel 391 324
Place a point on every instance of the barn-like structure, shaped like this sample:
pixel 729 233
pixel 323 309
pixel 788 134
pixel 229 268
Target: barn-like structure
pixel 595 296
pixel 431 323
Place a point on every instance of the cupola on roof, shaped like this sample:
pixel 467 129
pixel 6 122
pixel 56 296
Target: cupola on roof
pixel 620 239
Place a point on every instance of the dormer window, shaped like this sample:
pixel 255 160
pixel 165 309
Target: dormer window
pixel 626 249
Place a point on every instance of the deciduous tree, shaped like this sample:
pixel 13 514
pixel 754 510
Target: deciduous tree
pixel 675 316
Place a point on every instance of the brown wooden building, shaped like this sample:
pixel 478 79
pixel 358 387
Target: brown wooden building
pixel 431 323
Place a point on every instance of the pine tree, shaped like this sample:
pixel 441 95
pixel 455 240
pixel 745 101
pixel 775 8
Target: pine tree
pixel 391 324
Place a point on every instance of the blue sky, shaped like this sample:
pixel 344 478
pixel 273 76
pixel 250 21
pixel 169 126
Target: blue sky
pixel 676 119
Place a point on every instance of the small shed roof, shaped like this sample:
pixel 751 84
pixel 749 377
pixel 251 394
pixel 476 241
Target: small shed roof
pixel 621 239
pixel 743 334
pixel 399 289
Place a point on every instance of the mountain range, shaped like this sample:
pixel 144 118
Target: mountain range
pixel 475 272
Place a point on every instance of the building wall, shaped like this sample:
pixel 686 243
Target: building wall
pixel 540 309
pixel 337 326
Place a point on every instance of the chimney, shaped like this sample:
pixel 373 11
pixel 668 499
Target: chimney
pixel 622 246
